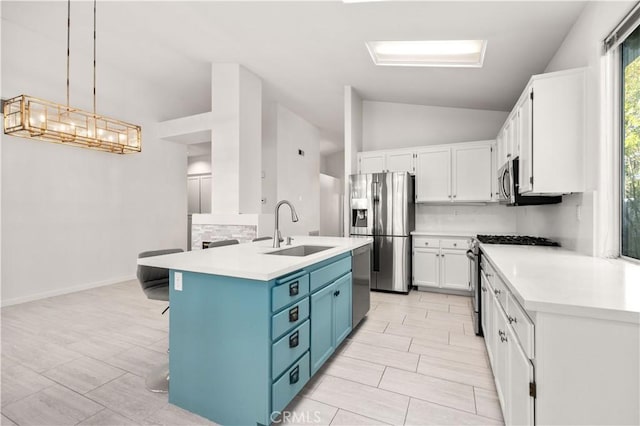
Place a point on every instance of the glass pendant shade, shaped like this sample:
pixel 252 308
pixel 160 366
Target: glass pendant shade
pixel 33 118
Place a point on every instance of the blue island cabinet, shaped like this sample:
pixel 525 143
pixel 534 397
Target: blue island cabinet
pixel 240 350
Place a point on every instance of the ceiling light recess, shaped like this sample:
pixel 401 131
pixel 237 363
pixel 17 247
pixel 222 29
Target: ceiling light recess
pixel 33 118
pixel 428 53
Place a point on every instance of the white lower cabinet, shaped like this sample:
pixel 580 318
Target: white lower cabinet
pixel 441 263
pixel 520 407
pixel 454 267
pixel 426 267
pixel 512 369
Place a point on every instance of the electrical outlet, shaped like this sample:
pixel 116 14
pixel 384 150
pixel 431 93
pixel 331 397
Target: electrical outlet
pixel 177 281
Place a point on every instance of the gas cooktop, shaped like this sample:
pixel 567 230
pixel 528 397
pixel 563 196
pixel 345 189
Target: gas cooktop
pixel 520 240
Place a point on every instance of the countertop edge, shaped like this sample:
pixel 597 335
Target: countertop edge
pixel 443 234
pixel 160 262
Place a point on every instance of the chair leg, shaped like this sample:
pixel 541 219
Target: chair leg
pixel 158 379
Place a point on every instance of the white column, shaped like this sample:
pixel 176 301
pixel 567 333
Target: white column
pixel 352 143
pixel 236 140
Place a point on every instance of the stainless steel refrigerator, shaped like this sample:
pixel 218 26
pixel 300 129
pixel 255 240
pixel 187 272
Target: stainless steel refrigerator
pixel 382 207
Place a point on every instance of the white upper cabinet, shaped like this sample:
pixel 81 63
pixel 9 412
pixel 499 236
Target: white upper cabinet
pixel 472 173
pixel 371 162
pixel 546 130
pixel 400 161
pixel 455 173
pixel 386 161
pixel 433 175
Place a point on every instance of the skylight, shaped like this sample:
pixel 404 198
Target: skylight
pixel 428 53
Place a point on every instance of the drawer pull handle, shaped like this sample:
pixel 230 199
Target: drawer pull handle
pixel 294 376
pixel 293 340
pixel 336 293
pixel 496 291
pixel 501 333
pixel 455 244
pixel 294 288
pixel 512 319
pixel 503 339
pixel 426 244
pixel 293 314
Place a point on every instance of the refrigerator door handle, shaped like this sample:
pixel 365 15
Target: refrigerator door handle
pixel 376 255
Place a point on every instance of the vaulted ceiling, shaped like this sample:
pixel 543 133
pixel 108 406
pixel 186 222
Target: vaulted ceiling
pixel 305 52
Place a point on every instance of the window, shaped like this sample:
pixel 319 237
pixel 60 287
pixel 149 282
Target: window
pixel 630 166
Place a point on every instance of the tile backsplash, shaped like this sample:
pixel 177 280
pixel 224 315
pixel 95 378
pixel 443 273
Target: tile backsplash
pixel 211 232
pixel 482 219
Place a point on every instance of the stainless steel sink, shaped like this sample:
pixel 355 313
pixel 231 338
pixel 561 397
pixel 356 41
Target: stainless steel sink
pixel 300 250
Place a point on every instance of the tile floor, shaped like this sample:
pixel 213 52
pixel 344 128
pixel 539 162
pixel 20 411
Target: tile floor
pixel 82 358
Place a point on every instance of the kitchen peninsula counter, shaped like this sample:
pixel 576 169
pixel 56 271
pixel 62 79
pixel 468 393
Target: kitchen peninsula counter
pixel 248 329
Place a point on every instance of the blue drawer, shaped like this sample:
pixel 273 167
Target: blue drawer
pixel 329 273
pixel 290 383
pixel 289 348
pixel 289 290
pixel 289 318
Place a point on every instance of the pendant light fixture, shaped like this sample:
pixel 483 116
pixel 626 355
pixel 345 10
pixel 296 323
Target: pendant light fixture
pixel 33 118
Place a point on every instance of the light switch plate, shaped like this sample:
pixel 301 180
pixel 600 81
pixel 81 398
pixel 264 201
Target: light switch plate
pixel 177 281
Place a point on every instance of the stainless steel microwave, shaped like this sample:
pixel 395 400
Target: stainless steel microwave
pixel 508 188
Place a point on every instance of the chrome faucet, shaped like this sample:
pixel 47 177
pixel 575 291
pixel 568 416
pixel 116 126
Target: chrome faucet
pixel 294 218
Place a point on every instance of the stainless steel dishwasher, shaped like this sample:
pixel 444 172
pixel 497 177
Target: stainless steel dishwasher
pixel 360 292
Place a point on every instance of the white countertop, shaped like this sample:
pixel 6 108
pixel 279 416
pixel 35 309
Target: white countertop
pixel 443 234
pixel 555 280
pixel 250 261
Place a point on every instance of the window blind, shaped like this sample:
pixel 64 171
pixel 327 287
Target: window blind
pixel 623 29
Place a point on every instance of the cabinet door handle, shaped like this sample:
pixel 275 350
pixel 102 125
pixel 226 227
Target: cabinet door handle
pixel 336 293
pixel 294 376
pixel 294 288
pixel 455 244
pixel 503 339
pixel 293 314
pixel 442 255
pixel 294 340
pixel 501 333
pixel 496 292
pixel 426 244
pixel 511 319
pixel 454 196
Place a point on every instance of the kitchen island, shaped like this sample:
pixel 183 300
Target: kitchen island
pixel 249 328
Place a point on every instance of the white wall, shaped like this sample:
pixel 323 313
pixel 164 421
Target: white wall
pixel 330 206
pixel 393 125
pixel 298 176
pixel 581 48
pixel 489 219
pixel 73 218
pixel 200 164
pixel 333 164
